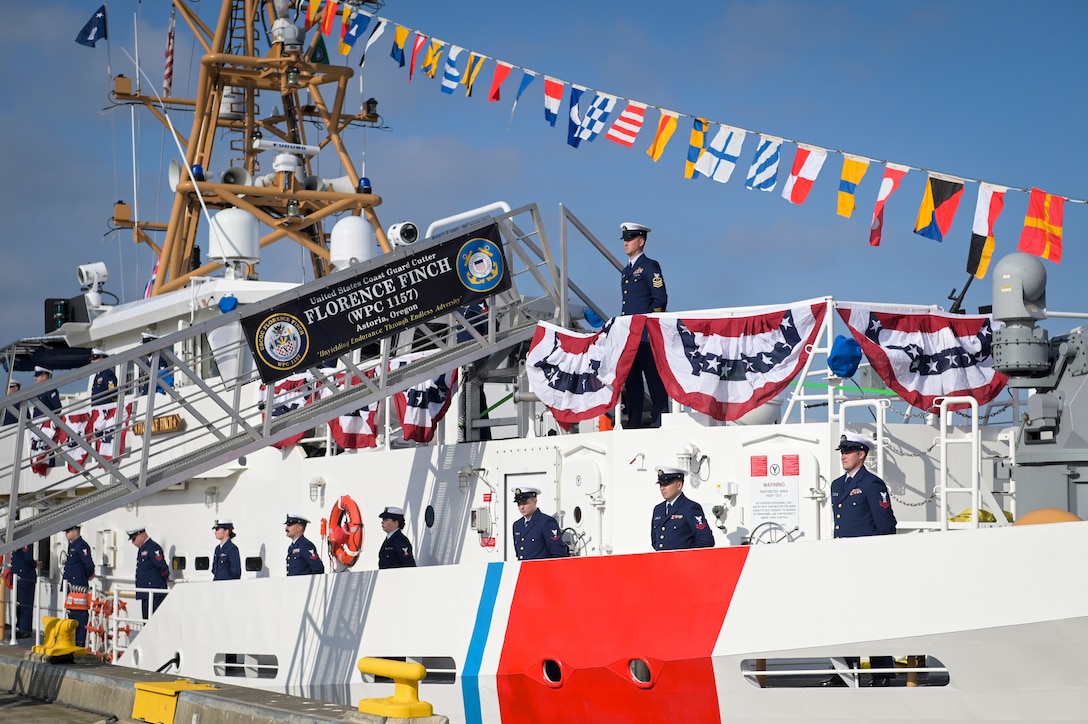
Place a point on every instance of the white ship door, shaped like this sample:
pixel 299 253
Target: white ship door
pixel 535 467
pixel 583 503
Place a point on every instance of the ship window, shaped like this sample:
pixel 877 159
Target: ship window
pixel 577 514
pixel 202 563
pixel 553 672
pixel 254 564
pixel 640 671
pixel 428 516
pixel 178 563
pixel 246 666
pixel 440 669
pixel 800 673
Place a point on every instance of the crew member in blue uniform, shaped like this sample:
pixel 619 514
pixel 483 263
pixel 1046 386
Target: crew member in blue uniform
pixel 536 534
pixel 643 293
pixel 11 418
pixel 104 386
pixel 49 399
pixel 25 568
pixel 859 500
pixel 152 570
pixel 78 572
pixel 678 522
pixel 862 506
pixel 396 550
pixel 302 558
pixel 226 562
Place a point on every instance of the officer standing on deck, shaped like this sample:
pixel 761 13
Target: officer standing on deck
pixel 25 568
pixel 226 562
pixel 396 550
pixel 78 572
pixel 536 535
pixel 643 293
pixel 302 558
pixel 678 522
pixel 859 500
pixel 152 571
pixel 104 386
pixel 50 399
pixel 862 506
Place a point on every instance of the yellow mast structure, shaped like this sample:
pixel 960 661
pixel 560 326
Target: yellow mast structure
pixel 293 204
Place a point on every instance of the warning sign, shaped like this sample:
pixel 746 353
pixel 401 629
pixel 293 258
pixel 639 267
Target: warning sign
pixel 775 490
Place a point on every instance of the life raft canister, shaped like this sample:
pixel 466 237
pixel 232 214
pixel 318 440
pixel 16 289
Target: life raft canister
pixel 345 531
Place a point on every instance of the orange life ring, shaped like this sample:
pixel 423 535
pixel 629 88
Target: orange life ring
pixel 345 531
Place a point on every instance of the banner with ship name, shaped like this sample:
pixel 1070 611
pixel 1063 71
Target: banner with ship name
pixel 357 309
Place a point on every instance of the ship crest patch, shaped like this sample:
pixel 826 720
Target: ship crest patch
pixel 282 341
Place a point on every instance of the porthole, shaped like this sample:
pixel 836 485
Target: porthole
pixel 553 672
pixel 577 514
pixel 428 516
pixel 640 671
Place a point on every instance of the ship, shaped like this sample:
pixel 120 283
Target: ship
pixel 440 369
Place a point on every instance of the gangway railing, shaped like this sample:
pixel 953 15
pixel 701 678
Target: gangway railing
pixel 69 465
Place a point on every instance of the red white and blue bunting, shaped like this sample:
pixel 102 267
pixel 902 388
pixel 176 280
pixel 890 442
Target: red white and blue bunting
pixel 579 376
pixel 727 367
pixel 422 407
pixel 923 357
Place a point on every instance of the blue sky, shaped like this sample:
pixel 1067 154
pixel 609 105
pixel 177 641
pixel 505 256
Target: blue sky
pixel 982 90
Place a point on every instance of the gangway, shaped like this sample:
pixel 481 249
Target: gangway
pixel 59 469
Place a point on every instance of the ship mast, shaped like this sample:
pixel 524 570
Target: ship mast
pixel 235 81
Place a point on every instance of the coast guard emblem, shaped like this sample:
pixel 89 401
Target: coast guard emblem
pixel 480 265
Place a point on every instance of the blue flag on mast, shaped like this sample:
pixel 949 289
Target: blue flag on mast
pixel 94 30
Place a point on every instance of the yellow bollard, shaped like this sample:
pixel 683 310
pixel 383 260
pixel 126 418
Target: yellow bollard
pixel 59 637
pixel 405 700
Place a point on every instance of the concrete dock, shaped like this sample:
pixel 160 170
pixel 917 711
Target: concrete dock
pixel 86 690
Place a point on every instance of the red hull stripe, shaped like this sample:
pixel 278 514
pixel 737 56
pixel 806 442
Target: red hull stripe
pixel 594 616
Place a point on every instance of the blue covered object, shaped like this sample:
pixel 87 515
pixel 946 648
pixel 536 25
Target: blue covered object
pixel 845 356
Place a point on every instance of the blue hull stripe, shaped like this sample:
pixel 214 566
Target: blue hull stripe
pixel 470 689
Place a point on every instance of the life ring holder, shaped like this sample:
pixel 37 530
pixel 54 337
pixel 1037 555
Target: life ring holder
pixel 345 531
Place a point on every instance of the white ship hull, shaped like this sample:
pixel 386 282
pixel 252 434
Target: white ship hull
pixel 1000 610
